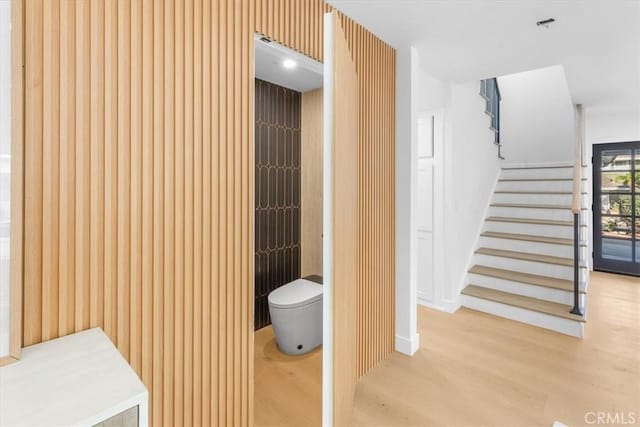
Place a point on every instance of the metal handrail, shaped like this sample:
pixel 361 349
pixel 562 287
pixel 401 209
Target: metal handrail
pixel 575 208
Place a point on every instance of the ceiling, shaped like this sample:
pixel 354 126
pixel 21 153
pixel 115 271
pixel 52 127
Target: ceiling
pixel 269 56
pixel 597 41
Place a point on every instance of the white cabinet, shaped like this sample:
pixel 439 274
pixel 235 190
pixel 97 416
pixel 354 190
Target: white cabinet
pixel 77 380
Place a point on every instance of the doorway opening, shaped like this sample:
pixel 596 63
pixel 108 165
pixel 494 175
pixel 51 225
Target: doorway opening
pixel 288 235
pixel 616 210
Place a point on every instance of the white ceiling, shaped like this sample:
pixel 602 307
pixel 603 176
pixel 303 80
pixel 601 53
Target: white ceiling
pixel 268 66
pixel 597 41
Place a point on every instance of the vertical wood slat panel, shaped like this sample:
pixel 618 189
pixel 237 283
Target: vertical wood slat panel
pixel 145 292
pixel 123 182
pixel 67 173
pixel 138 121
pixel 97 170
pixel 168 308
pixel 156 349
pixel 139 187
pixel 83 178
pixel 34 29
pixel 110 169
pixel 179 214
pixel 50 203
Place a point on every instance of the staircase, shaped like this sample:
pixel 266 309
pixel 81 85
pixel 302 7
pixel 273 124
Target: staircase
pixel 523 266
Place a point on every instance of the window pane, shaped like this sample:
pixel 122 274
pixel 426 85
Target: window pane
pixel 617 249
pixel 616 227
pixel 614 160
pixel 615 181
pixel 616 204
pixel 637 160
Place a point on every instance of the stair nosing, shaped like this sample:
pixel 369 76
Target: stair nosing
pixel 553 222
pixel 537 179
pixel 563 313
pixel 560 193
pixel 527 256
pixel 538 167
pixel 528 238
pixel 524 278
pixel 529 206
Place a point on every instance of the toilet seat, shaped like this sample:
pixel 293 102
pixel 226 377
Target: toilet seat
pixel 294 294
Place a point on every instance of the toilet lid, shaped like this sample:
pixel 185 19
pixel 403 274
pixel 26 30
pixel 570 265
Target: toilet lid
pixel 295 294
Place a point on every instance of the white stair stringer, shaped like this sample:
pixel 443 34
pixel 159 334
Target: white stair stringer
pixel 522 268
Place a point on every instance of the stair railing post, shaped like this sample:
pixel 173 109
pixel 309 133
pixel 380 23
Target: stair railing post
pixel 576 264
pixel 576 206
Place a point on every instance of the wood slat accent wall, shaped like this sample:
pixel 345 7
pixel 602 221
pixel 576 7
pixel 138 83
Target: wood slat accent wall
pixel 138 190
pixel 343 230
pixel 311 185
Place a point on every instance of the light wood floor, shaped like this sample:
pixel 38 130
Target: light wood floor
pixel 474 369
pixel 288 389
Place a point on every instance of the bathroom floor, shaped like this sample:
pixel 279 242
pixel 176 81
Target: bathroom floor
pixel 288 389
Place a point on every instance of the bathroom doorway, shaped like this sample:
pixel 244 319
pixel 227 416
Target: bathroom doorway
pixel 288 258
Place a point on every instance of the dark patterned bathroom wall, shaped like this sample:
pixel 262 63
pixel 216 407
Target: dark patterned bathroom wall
pixel 277 192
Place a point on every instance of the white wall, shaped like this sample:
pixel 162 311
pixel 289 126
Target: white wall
pixel 407 339
pixel 472 167
pixel 454 188
pixel 536 117
pixel 5 169
pixel 603 126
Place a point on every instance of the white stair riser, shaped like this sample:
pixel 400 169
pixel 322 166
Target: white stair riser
pixel 558 324
pixel 524 198
pixel 538 213
pixel 525 266
pixel 540 292
pixel 546 173
pixel 533 229
pixel 550 249
pixel 566 186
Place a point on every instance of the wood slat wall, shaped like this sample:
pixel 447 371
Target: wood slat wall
pixel 138 189
pixel 311 185
pixel 344 225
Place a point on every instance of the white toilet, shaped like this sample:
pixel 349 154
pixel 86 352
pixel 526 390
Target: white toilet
pixel 296 316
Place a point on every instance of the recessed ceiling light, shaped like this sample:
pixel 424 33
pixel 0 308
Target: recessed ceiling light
pixel 289 64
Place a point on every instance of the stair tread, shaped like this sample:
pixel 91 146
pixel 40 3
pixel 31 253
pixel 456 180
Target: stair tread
pixel 527 278
pixel 541 192
pixel 528 303
pixel 531 221
pixel 529 238
pixel 529 206
pixel 537 167
pixel 525 256
pixel 537 179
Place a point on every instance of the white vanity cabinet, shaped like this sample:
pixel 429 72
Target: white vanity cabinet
pixel 77 380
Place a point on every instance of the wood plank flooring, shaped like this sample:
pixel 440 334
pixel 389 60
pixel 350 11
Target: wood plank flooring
pixel 288 389
pixel 474 369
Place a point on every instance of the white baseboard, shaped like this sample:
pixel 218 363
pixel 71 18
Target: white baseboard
pixel 446 306
pixel 407 346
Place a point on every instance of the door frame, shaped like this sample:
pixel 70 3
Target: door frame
pixel 600 264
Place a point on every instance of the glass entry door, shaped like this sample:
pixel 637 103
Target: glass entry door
pixel 616 210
